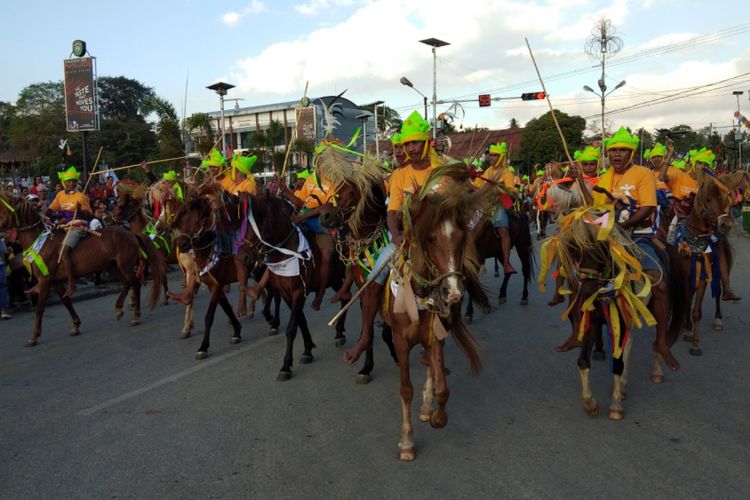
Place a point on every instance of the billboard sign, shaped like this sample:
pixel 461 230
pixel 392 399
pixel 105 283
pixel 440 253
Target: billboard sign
pixel 81 111
pixel 306 128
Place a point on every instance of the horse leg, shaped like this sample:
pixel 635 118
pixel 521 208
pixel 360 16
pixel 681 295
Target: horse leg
pixel 295 306
pixel 405 444
pixel 625 367
pixel 503 296
pixel 584 367
pixel 525 258
pixel 598 354
pixel 340 338
pixel 136 285
pixel 165 297
pixel 121 299
pixel 41 301
pixel 697 313
pixel 187 322
pixel 276 318
pixel 208 321
pixel 718 322
pixel 618 384
pixel 428 394
pixel 227 308
pixel 369 301
pixel 307 355
pixel 497 268
pixel 439 417
pixel 76 329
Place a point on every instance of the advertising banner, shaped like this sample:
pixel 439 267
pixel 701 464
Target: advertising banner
pixel 80 95
pixel 306 124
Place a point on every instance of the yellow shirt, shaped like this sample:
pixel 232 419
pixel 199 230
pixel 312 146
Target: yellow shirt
pixel 67 202
pixel 659 184
pixel 312 194
pixel 637 183
pixel 681 184
pixel 502 176
pixel 405 180
pixel 226 183
pixel 246 186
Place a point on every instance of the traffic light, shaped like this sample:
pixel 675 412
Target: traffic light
pixel 533 96
pixel 485 100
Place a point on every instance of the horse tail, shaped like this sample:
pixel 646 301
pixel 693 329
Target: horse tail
pixel 158 268
pixel 678 303
pixel 466 341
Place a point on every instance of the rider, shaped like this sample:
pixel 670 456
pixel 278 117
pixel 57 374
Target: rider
pixel 634 186
pixel 420 160
pixel 244 182
pixel 498 174
pixel 71 205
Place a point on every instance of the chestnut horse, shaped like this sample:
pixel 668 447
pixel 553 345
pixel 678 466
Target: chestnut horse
pixel 439 265
pixel 114 245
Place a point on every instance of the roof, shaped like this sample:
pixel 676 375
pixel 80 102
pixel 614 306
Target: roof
pixel 474 143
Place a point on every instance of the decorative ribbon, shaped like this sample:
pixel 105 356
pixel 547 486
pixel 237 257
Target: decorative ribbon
pixel 31 254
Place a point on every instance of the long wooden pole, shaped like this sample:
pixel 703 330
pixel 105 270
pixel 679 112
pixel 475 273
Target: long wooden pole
pixel 75 212
pixel 294 136
pixel 147 163
pixel 373 275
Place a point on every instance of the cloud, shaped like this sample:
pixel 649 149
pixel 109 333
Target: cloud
pixel 314 7
pixel 233 18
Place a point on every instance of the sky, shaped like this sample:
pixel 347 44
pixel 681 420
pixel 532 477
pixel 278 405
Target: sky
pixel 270 49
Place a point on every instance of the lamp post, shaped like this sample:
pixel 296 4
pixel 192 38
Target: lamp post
pixel 603 96
pixel 377 142
pixel 434 43
pixel 738 135
pixel 364 117
pixel 407 82
pixel 221 88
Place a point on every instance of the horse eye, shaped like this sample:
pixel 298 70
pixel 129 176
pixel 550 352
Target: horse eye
pixel 430 240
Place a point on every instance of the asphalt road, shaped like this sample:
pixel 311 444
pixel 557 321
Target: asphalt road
pixel 126 412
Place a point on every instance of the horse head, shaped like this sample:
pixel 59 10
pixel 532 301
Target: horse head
pixel 17 212
pixel 713 202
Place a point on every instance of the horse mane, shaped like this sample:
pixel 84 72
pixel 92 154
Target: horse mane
pixel 561 198
pixel 26 213
pixel 710 188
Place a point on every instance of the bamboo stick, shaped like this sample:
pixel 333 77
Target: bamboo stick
pixel 142 163
pixel 296 124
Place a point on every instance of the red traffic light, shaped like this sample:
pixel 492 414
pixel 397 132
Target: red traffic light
pixel 533 96
pixel 485 100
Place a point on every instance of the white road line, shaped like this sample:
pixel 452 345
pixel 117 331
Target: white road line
pixel 173 378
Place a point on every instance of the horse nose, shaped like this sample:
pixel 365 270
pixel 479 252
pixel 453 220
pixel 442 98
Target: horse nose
pixel 451 293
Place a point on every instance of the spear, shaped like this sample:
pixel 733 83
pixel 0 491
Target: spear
pixel 296 124
pixel 146 163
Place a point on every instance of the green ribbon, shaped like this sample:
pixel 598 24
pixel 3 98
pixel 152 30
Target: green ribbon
pixel 30 252
pixel 12 210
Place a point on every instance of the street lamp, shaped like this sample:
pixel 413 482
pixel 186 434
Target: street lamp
pixel 738 135
pixel 221 88
pixel 364 117
pixel 603 95
pixel 434 43
pixel 377 142
pixel 407 82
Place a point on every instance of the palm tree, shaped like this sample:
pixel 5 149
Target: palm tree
pixel 198 126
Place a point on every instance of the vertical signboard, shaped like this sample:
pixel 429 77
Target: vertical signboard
pixel 306 124
pixel 80 95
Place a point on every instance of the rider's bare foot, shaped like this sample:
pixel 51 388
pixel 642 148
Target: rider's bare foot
pixel 34 290
pixel 556 299
pixel 353 354
pixel 253 293
pixel 344 295
pixel 69 291
pixel 183 298
pixel 569 344
pixel 315 305
pixel 666 354
pixel 509 269
pixel 730 295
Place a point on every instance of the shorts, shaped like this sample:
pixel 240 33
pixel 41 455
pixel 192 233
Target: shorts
pixel 313 224
pixel 648 257
pixel 74 236
pixel 500 217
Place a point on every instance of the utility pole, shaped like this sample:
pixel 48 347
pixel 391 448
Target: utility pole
pixel 434 43
pixel 738 134
pixel 603 41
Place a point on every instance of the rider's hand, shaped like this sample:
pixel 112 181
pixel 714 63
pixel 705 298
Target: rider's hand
pixel 145 166
pixel 398 239
pixel 575 171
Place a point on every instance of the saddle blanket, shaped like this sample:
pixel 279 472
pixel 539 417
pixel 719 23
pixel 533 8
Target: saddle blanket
pixel 290 266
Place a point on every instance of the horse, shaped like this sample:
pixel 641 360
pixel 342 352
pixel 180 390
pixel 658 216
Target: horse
pixel 294 269
pixel 608 287
pixel 439 265
pixel 698 247
pixel 487 244
pixel 358 217
pixel 114 245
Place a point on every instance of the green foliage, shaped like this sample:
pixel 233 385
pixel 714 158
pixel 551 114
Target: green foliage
pixel 198 126
pixel 123 97
pixel 41 99
pixel 514 123
pixel 541 143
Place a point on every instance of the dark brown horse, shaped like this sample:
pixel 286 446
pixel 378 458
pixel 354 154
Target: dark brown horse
pixel 115 246
pixel 441 264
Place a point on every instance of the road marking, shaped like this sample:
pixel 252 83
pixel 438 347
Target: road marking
pixel 173 378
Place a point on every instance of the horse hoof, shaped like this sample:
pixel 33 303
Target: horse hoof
pixel 31 343
pixel 424 417
pixel 497 274
pixel 407 455
pixel 486 310
pixel 657 379
pixel 135 322
pixel 687 337
pixel 74 333
pixel 283 376
pixel 718 327
pixel 306 359
pixel 598 355
pixel 468 319
pixel 501 300
pixel 438 419
pixel 616 414
pixel 250 315
pixel 591 408
pixel 235 340
pixel 695 351
pixel 201 355
pixel 185 335
pixel 363 378
pixel 273 331
pixel 340 341
pixel 164 302
pixel 118 315
pixel 524 302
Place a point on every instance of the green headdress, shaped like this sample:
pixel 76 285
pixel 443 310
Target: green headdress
pixel 244 163
pixel 169 176
pixel 622 139
pixel 680 164
pixel 215 159
pixel 500 149
pixel 415 128
pixel 589 153
pixel 658 150
pixel 395 139
pixel 702 155
pixel 303 174
pixel 524 177
pixel 540 172
pixel 512 169
pixel 71 174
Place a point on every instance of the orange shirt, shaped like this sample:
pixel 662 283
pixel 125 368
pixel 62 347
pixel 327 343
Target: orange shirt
pixel 680 183
pixel 405 180
pixel 226 183
pixel 636 182
pixel 312 194
pixel 67 202
pixel 501 176
pixel 659 184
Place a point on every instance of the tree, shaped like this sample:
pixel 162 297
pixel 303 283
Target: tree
pixel 514 123
pixel 198 127
pixel 7 112
pixel 123 97
pixel 541 143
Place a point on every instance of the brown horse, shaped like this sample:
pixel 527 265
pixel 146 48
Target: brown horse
pixel 441 263
pixel 295 270
pixel 115 246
